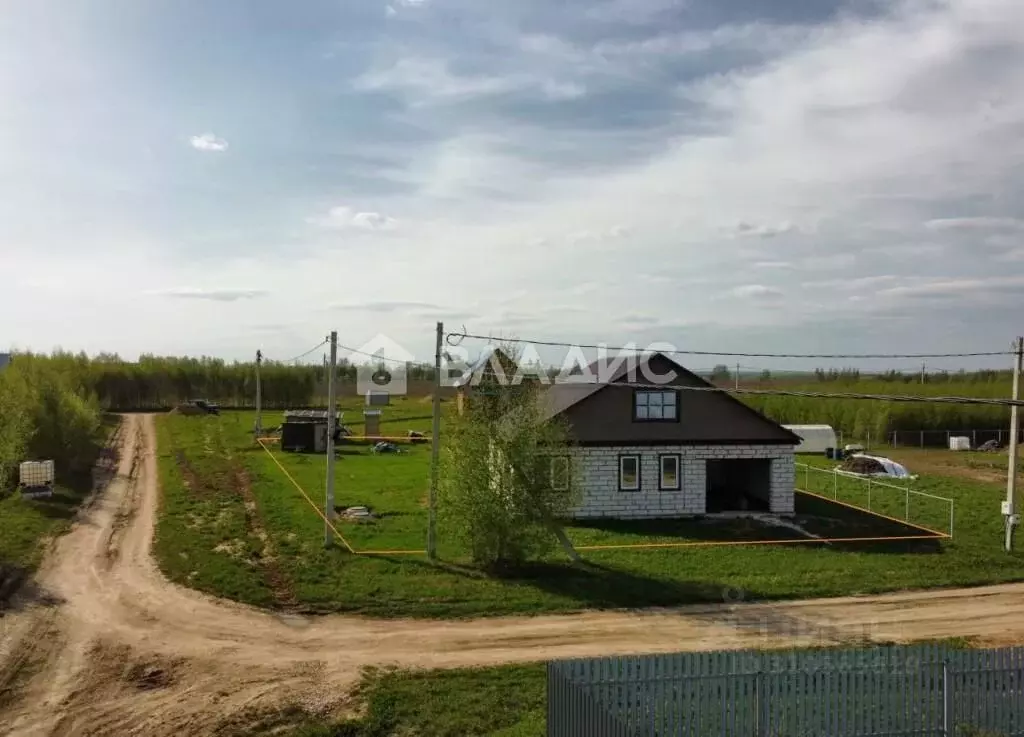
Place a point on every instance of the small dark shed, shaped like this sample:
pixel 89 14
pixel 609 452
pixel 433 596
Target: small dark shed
pixel 305 431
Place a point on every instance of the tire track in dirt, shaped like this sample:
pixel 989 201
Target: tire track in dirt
pixel 207 662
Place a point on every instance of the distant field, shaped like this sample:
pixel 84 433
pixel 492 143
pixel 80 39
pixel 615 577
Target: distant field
pixel 233 525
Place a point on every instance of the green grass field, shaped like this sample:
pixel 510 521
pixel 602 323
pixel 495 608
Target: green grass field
pixel 232 524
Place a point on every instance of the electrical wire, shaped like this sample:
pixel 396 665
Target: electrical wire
pixel 820 395
pixel 372 355
pixel 455 339
pixel 324 342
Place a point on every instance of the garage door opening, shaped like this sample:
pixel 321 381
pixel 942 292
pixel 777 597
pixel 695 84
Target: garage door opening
pixel 739 485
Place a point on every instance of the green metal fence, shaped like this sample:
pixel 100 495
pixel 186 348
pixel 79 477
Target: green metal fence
pixel 925 691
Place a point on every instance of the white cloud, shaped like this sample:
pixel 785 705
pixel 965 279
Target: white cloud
pixel 430 80
pixel 208 142
pixel 216 294
pixel 343 217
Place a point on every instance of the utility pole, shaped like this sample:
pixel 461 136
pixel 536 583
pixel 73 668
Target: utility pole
pixel 435 449
pixel 259 397
pixel 737 376
pixel 331 401
pixel 923 372
pixel 1011 477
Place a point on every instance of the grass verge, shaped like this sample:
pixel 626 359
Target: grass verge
pixel 205 519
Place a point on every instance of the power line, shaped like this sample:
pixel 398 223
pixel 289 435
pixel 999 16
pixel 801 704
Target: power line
pixel 824 395
pixel 455 339
pixel 372 355
pixel 303 355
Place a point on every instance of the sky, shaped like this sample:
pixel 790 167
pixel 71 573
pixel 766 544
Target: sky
pixel 210 178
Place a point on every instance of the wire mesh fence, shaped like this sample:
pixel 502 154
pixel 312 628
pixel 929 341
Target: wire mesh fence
pixel 941 438
pixel 894 691
pixel 893 499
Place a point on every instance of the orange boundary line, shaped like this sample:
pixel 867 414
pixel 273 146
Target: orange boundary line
pixel 306 497
pixel 731 543
pixel 868 511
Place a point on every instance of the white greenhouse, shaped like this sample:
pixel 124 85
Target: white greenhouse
pixel 816 438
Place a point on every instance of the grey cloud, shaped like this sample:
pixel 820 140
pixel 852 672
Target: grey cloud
pixel 975 223
pixel 215 294
pixel 764 230
pixel 385 306
pixel 758 292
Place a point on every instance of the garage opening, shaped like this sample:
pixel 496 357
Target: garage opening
pixel 739 485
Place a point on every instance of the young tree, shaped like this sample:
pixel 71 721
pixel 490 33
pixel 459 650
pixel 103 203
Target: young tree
pixel 507 476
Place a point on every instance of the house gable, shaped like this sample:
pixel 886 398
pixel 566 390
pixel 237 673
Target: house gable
pixel 603 414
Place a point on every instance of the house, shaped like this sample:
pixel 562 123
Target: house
pixel 494 367
pixel 669 452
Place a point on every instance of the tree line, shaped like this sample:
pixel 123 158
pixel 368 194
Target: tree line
pixel 107 382
pixel 46 413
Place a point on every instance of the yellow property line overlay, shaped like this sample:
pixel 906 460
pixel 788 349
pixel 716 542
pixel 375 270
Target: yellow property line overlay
pixel 306 497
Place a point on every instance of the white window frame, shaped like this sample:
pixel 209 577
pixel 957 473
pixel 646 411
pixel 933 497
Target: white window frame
pixel 662 486
pixel 635 457
pixel 564 462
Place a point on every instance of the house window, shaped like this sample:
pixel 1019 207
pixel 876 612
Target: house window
pixel 668 473
pixel 629 473
pixel 560 473
pixel 656 406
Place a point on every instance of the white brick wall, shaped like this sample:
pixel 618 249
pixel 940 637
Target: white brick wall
pixel 599 467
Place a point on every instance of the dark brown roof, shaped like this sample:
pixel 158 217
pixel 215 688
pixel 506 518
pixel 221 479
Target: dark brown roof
pixel 601 412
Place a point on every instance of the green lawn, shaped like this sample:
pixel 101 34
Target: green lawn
pixel 504 701
pixel 240 529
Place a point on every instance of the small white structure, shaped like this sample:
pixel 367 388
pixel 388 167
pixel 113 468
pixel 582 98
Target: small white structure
pixel 35 473
pixel 814 438
pixel 960 442
pixel 36 479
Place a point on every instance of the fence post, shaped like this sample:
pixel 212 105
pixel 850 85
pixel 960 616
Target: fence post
pixel 947 700
pixel 761 704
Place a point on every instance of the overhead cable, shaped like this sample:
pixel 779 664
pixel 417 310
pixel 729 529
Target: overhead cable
pixel 456 338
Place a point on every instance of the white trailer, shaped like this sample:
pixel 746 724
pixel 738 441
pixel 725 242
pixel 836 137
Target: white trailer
pixel 814 438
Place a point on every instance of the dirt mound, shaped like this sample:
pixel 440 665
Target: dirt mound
pixel 860 464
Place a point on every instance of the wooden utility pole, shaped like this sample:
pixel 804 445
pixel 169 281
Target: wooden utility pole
pixel 1011 476
pixel 259 397
pixel 924 372
pixel 737 376
pixel 331 401
pixel 435 449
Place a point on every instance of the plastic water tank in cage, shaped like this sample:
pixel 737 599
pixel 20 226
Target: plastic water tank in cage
pixel 960 442
pixel 35 474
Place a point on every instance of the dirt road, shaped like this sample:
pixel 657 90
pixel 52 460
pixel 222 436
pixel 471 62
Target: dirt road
pixel 114 649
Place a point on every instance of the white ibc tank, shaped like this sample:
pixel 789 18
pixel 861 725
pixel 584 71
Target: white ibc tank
pixel 960 443
pixel 35 473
